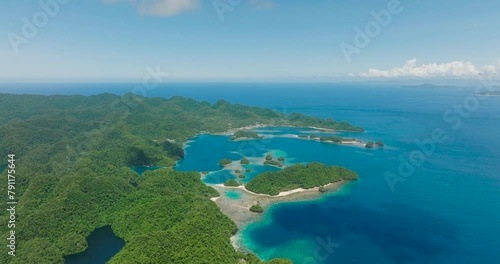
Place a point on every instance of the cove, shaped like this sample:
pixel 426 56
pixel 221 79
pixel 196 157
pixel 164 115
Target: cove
pixel 103 245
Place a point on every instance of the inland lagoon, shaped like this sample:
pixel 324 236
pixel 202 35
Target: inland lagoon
pixel 102 246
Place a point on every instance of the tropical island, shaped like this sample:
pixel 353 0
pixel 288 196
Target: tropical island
pixel 75 155
pixel 232 183
pixel 372 144
pixel 225 162
pixel 245 161
pixel 243 134
pixel 330 139
pixel 299 176
pixel 269 160
pixel 256 208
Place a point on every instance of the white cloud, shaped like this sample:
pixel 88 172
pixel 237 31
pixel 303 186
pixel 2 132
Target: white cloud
pixel 492 69
pixel 160 7
pixel 451 69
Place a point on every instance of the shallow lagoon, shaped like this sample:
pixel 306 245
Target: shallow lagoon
pixel 233 195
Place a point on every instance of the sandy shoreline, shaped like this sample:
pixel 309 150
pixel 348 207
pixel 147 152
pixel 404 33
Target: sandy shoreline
pixel 347 142
pixel 281 194
pixel 231 131
pixel 238 209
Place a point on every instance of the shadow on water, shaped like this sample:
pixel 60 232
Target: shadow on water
pixel 403 234
pixel 103 245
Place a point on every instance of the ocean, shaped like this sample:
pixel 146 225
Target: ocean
pixel 418 200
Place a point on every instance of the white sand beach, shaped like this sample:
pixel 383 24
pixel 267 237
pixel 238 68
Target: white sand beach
pixel 239 209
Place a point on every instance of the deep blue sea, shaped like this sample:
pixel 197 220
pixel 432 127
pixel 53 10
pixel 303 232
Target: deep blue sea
pixel 443 209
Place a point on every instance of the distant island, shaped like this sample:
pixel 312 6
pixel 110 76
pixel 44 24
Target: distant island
pixel 257 208
pixel 299 177
pixel 427 86
pixel 489 93
pixel 372 144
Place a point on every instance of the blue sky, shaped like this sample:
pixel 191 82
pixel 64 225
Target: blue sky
pixel 255 39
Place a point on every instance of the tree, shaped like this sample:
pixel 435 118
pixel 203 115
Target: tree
pixel 273 163
pixel 370 144
pixel 225 162
pixel 244 134
pixel 256 208
pixel 231 183
pixel 269 157
pixel 245 161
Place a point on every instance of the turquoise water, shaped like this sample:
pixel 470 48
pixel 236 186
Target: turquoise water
pixel 102 246
pixel 3 167
pixel 205 152
pixel 219 177
pixel 200 156
pixel 446 211
pixel 141 169
pixel 233 195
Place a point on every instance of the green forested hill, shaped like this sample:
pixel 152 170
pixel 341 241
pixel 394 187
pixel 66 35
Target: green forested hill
pixel 299 176
pixel 73 155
